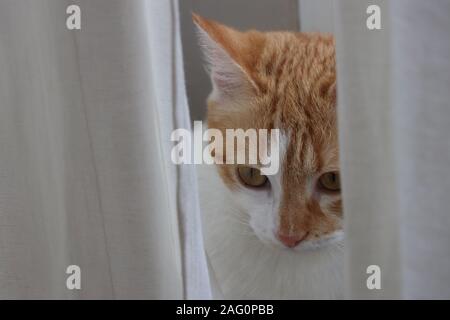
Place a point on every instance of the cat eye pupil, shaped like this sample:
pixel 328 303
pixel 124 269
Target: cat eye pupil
pixel 251 176
pixel 330 181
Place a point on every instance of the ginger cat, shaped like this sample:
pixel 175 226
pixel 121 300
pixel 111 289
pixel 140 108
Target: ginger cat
pixel 279 236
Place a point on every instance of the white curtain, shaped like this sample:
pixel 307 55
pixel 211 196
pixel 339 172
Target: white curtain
pixel 85 171
pixel 394 121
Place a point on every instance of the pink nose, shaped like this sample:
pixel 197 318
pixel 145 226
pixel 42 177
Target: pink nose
pixel 292 241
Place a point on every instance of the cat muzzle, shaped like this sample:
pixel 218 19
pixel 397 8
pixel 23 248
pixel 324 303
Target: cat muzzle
pixel 292 240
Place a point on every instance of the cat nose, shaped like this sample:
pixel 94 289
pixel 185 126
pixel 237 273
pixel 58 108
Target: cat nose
pixel 292 241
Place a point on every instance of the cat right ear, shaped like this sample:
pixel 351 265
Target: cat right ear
pixel 224 51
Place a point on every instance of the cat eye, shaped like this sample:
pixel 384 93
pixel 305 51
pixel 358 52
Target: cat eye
pixel 330 181
pixel 251 176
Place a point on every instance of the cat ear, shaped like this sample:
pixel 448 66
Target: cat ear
pixel 225 52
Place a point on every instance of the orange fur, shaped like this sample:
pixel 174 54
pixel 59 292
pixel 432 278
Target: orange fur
pixel 292 87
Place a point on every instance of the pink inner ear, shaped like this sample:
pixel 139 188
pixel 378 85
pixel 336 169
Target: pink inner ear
pixel 226 74
pixel 226 82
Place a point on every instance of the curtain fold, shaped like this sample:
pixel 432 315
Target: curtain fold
pixel 85 171
pixel 394 123
pixel 86 177
pixel 421 113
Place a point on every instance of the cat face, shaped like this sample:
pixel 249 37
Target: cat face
pixel 287 81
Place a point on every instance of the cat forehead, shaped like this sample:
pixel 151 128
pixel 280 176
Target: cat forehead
pixel 296 73
pixel 296 76
pixel 307 155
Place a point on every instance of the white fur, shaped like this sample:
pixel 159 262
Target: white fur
pixel 247 260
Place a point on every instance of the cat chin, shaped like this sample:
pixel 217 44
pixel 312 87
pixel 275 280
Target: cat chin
pixel 244 267
pixel 335 238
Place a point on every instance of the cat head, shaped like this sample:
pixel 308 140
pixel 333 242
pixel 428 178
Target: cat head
pixel 285 81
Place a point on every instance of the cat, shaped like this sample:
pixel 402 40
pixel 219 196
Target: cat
pixel 279 236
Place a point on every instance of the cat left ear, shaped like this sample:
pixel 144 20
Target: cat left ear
pixel 227 56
